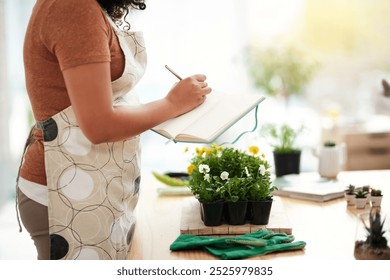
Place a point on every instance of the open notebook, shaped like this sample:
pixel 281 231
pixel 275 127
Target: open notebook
pixel 309 186
pixel 211 119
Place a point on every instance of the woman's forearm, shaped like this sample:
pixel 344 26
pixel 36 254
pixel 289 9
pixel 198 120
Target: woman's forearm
pixel 128 121
pixel 89 88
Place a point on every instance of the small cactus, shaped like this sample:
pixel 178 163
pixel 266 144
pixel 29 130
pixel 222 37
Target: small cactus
pixel 361 193
pixel 350 189
pixel 376 192
pixel 375 231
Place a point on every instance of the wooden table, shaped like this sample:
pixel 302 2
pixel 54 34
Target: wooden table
pixel 328 228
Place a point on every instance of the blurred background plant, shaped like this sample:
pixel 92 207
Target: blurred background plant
pixel 280 72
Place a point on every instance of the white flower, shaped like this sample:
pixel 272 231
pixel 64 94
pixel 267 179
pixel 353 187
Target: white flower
pixel 247 172
pixel 204 168
pixel 207 177
pixel 262 170
pixel 224 175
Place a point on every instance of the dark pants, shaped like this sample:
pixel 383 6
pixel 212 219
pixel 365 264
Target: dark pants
pixel 34 217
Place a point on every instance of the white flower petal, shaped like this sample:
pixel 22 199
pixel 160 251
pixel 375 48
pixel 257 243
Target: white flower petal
pixel 262 170
pixel 204 168
pixel 224 175
pixel 247 172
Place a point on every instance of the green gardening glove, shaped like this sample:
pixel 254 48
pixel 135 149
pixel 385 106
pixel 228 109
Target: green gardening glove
pixel 252 244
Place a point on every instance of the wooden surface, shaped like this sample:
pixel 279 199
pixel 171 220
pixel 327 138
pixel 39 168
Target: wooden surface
pixel 191 222
pixel 328 228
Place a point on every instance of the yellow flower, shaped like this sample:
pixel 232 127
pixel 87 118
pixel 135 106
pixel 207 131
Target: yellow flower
pixel 333 114
pixel 186 149
pixel 254 150
pixel 191 168
pixel 216 148
pixel 199 152
pixel 207 151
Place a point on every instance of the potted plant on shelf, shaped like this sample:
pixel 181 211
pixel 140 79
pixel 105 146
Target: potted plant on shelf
pixel 376 197
pixel 360 198
pixel 375 246
pixel 349 195
pixel 228 174
pixel 287 156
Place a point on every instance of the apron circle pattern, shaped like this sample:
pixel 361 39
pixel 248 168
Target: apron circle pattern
pixel 59 247
pixel 50 129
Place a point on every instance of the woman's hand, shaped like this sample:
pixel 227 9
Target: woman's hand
pixel 188 94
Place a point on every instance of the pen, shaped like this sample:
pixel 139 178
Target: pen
pixel 173 72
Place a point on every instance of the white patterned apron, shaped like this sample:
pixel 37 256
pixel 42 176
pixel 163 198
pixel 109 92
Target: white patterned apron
pixel 93 189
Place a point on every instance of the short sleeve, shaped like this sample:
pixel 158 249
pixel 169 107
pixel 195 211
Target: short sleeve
pixel 76 32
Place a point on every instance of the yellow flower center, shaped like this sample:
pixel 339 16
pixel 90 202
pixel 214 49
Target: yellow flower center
pixel 254 150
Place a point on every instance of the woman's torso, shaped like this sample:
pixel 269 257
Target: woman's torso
pixel 60 35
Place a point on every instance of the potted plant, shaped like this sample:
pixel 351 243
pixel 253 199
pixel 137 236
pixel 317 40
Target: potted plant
pixel 349 195
pixel 236 203
pixel 331 157
pixel 329 143
pixel 376 197
pixel 375 246
pixel 228 174
pixel 280 72
pixel 209 196
pixel 287 156
pixel 260 199
pixel 367 189
pixel 360 198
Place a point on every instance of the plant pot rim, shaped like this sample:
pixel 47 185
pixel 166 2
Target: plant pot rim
pixel 294 151
pixel 261 200
pixel 229 201
pixel 215 201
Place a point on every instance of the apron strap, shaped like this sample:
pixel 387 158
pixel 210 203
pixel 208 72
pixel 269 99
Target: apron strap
pixel 29 141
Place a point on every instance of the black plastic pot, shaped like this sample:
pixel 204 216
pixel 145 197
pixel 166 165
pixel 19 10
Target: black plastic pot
pixel 236 212
pixel 212 213
pixel 259 212
pixel 287 163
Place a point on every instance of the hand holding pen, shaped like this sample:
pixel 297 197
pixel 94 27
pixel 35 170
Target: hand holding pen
pixel 190 92
pixel 202 84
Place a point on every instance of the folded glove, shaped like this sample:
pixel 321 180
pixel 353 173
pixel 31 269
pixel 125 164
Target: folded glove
pixel 238 247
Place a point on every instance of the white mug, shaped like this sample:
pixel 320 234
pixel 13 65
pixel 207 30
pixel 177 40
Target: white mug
pixel 331 160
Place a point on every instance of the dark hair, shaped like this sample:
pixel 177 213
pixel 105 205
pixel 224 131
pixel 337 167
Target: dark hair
pixel 116 9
